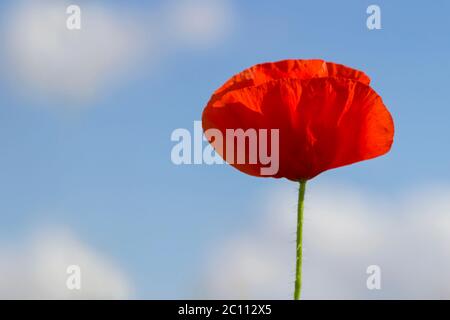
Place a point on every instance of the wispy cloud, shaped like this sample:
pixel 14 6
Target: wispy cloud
pixel 199 23
pixel 43 57
pixel 36 268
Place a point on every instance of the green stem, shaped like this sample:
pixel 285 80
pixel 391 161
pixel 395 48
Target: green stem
pixel 298 268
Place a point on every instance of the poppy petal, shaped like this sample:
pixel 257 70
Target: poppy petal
pixel 294 69
pixel 323 122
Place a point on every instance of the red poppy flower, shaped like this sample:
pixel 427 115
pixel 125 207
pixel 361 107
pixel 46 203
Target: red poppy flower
pixel 327 115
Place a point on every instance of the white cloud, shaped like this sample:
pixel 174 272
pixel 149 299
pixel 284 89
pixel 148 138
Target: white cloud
pixel 199 22
pixel 36 269
pixel 43 57
pixel 345 231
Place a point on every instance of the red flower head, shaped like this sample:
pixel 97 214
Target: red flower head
pixel 326 114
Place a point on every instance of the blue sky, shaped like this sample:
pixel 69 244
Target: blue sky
pixel 102 167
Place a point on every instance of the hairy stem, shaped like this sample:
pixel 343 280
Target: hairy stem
pixel 298 268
